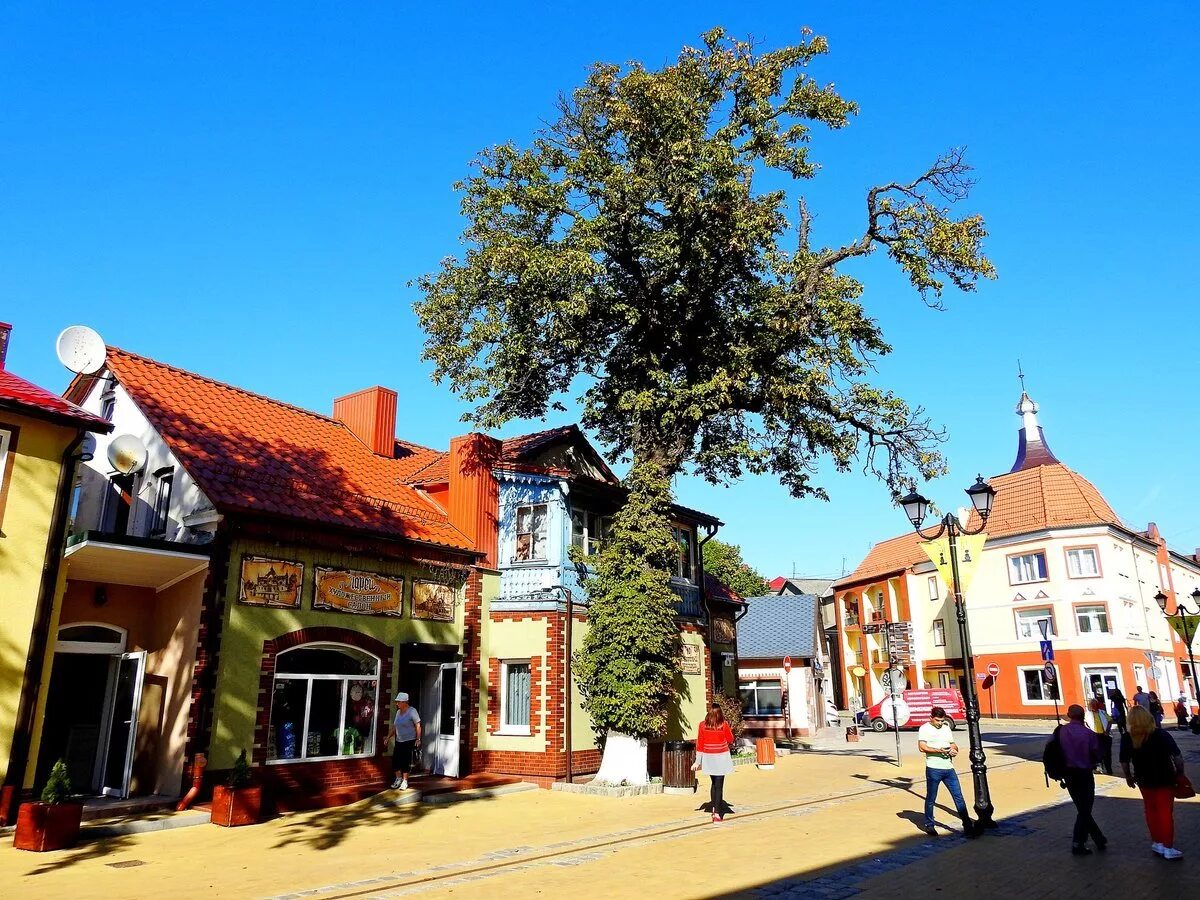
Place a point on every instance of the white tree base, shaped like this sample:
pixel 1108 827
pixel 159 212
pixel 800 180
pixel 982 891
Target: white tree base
pixel 624 761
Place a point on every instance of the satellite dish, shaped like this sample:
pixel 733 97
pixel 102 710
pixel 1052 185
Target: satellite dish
pixel 81 350
pixel 127 454
pixel 87 449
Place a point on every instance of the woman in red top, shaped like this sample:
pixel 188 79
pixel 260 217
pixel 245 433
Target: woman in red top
pixel 713 742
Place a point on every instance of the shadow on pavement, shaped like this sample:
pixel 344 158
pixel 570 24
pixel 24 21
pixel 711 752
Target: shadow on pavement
pixel 61 859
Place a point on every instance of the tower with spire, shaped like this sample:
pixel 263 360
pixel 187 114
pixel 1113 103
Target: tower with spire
pixel 1032 449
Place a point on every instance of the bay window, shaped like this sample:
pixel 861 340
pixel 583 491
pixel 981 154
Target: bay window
pixel 531 532
pixel 324 704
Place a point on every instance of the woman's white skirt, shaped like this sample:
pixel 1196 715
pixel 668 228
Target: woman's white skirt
pixel 715 763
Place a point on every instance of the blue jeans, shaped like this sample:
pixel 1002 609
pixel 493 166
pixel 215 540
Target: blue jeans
pixel 948 777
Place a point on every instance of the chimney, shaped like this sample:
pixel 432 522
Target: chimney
pixel 474 495
pixel 371 415
pixel 5 331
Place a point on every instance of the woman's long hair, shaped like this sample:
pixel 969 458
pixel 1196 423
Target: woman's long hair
pixel 1141 724
pixel 715 718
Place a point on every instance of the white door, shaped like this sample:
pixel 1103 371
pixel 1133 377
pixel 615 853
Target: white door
pixel 446 755
pixel 122 730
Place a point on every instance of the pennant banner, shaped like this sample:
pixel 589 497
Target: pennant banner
pixel 970 549
pixel 1178 622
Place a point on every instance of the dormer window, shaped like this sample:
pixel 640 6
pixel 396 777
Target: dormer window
pixel 531 532
pixel 685 560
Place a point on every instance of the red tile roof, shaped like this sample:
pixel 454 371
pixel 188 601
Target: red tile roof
pixel 253 454
pixel 26 397
pixel 512 450
pixel 1046 496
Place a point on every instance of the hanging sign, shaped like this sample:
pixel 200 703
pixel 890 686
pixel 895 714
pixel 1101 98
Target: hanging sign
pixel 270 582
pixel 362 593
pixel 432 600
pixel 724 631
pixel 1185 626
pixel 970 549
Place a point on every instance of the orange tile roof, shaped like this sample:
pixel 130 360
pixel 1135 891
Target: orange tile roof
pixel 253 454
pixel 1046 496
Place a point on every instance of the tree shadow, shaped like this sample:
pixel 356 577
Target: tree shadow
pixel 84 852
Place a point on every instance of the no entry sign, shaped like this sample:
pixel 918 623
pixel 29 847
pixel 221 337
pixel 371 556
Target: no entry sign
pixel 993 669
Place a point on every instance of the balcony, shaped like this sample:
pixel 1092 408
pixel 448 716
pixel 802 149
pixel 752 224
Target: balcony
pixel 879 658
pixel 108 558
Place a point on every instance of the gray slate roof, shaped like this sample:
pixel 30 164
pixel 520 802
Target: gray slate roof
pixel 778 625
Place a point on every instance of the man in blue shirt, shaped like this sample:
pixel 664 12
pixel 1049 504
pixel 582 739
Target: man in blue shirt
pixel 1081 753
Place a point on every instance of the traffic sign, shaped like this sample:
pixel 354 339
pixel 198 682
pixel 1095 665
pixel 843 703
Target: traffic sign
pixel 875 628
pixel 993 669
pixel 1047 651
pixel 894 709
pixel 787 664
pixel 1048 674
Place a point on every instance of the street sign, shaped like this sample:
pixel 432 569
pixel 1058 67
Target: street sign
pixel 993 669
pixel 893 710
pixel 1047 651
pixel 1185 625
pixel 900 637
pixel 787 664
pixel 875 628
pixel 1048 674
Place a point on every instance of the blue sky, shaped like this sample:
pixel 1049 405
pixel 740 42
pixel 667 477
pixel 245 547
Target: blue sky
pixel 246 189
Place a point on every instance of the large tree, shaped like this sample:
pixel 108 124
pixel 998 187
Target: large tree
pixel 724 562
pixel 632 257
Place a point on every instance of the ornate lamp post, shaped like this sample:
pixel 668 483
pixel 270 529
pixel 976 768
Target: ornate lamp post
pixel 916 507
pixel 1185 631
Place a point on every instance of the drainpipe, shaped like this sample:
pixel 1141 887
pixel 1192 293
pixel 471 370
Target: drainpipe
pixel 569 597
pixel 31 685
pixel 712 532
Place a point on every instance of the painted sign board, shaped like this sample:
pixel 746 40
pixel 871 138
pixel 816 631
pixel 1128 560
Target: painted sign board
pixel 270 582
pixel 432 600
pixel 689 659
pixel 361 593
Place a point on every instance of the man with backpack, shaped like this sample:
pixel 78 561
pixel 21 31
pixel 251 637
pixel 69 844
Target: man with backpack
pixel 1070 758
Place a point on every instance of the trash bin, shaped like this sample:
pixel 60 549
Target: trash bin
pixel 765 748
pixel 677 760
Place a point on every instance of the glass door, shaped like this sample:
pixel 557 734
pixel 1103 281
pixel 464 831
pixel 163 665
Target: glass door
pixel 122 731
pixel 446 761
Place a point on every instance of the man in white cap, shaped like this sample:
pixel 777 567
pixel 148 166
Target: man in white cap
pixel 406 729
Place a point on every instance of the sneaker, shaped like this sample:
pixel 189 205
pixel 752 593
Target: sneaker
pixel 716 819
pixel 1172 853
pixel 1080 850
pixel 396 784
pixel 1101 846
pixel 404 785
pixel 1157 848
pixel 930 830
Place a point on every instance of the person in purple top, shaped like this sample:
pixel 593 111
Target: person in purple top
pixel 1081 753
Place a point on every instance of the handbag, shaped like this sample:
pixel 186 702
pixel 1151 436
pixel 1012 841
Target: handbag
pixel 1183 787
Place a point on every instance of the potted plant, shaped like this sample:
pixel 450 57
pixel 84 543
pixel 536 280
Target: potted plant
pixel 237 801
pixel 51 823
pixel 352 740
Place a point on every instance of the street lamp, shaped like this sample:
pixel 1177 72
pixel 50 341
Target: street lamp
pixel 1182 613
pixel 916 507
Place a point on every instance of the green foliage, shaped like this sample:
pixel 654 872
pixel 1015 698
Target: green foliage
pixel 732 708
pixel 239 776
pixel 724 562
pixel 629 253
pixel 58 785
pixel 630 651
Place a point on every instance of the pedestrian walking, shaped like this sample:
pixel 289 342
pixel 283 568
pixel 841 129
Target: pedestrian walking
pixel 1151 761
pixel 1156 709
pixel 1181 713
pixel 1099 721
pixel 1141 698
pixel 936 741
pixel 714 741
pixel 1118 709
pixel 406 729
pixel 1081 750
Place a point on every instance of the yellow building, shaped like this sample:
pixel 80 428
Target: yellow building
pixel 40 439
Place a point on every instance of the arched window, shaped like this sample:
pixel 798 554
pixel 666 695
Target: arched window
pixel 90 637
pixel 323 704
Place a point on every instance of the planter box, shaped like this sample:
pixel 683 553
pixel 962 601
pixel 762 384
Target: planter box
pixel 236 806
pixel 41 826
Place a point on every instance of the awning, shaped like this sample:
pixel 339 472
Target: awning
pixel 138 562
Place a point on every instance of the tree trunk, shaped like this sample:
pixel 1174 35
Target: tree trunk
pixel 624 761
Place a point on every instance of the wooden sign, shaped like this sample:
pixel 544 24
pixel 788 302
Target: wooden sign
pixel 270 582
pixel 362 593
pixel 432 600
pixel 724 631
pixel 689 659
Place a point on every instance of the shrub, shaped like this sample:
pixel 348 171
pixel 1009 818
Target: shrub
pixel 732 708
pixel 239 775
pixel 58 785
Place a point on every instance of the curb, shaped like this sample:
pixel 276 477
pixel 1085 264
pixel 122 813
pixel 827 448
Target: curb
pixel 483 793
pixel 116 828
pixel 603 790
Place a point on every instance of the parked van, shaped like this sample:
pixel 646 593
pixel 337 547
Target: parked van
pixel 915 707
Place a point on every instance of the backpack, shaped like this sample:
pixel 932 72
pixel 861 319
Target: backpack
pixel 1054 761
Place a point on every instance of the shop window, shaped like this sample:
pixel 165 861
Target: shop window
pixel 684 561
pixel 1082 562
pixel 939 633
pixel 933 587
pixel 531 532
pixel 162 502
pixel 324 704
pixel 762 697
pixel 1034 689
pixel 515 695
pixel 1029 623
pixel 1092 619
pixel 589 531
pixel 1027 567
